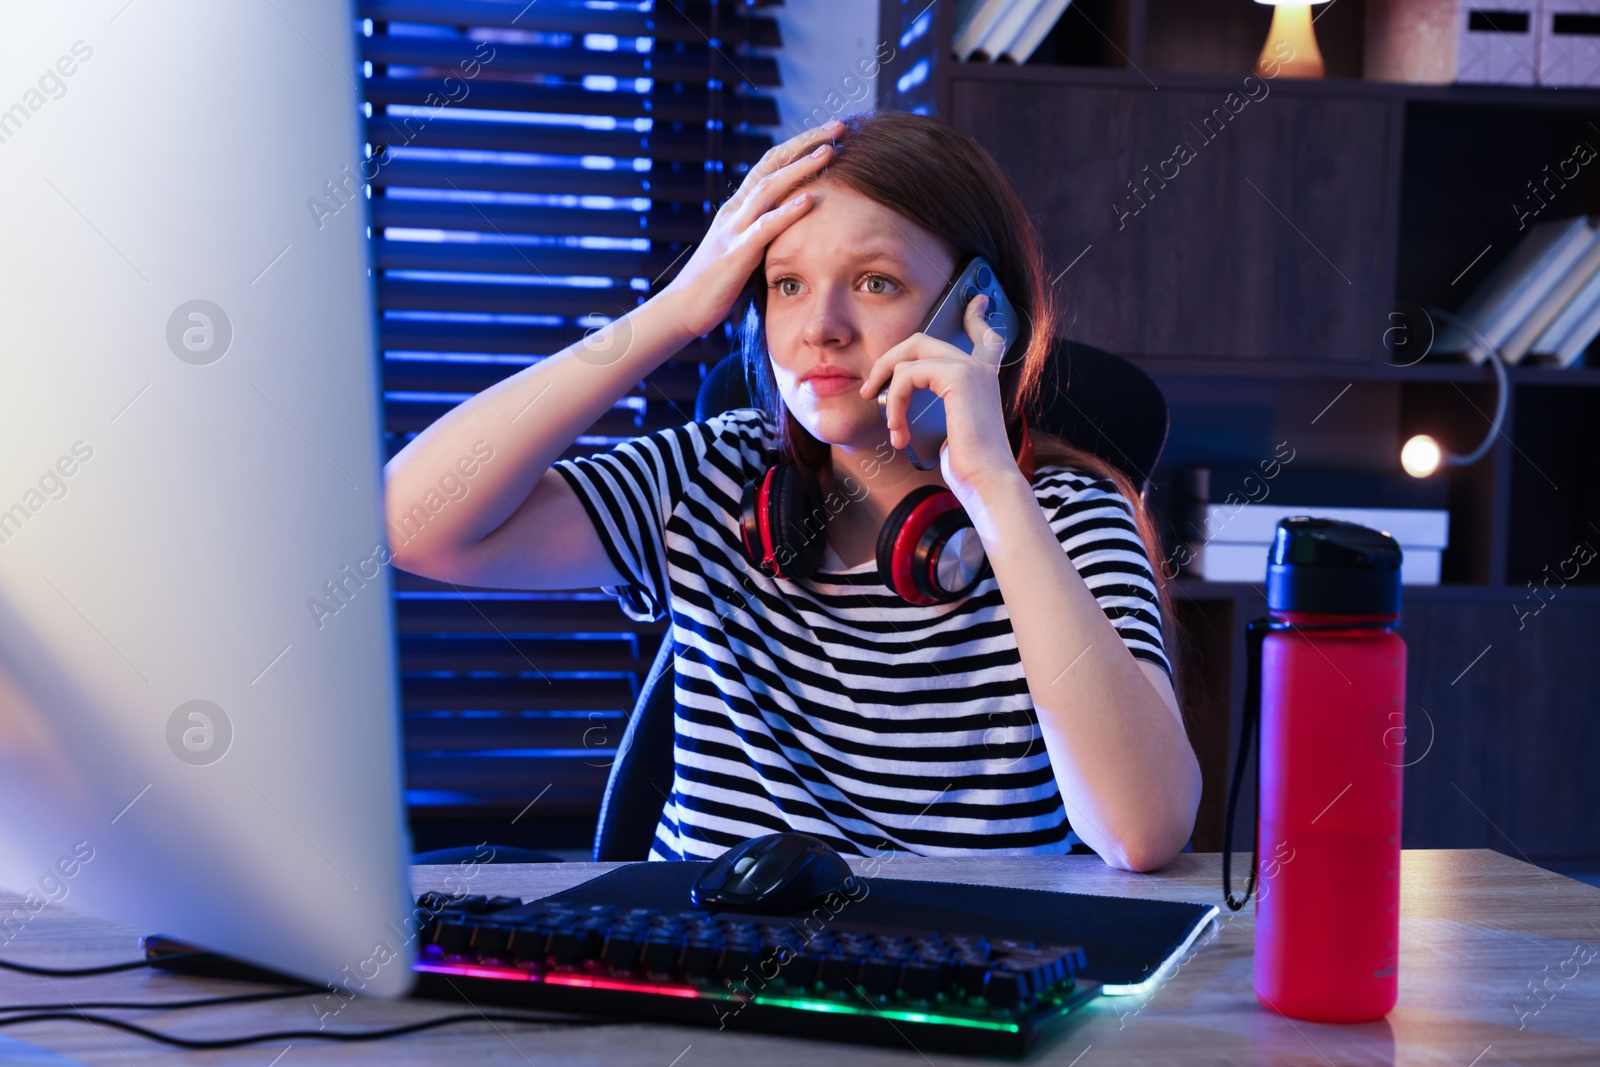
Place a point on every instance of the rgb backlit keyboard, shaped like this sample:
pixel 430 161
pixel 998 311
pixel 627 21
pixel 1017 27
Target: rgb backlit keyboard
pixel 849 981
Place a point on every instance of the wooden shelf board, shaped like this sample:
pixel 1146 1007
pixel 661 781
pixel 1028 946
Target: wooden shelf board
pixel 1199 589
pixel 1117 77
pixel 1426 371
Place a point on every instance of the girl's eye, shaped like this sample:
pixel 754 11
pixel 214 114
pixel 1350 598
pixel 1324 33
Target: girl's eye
pixel 883 284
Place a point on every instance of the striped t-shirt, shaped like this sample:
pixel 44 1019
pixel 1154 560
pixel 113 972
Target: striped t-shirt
pixel 829 705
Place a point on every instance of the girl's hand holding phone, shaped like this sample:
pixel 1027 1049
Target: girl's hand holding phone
pixel 976 451
pixel 709 284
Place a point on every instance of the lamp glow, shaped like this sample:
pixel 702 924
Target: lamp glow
pixel 1421 456
pixel 1291 49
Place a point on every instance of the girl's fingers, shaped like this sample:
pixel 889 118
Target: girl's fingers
pixel 780 156
pixel 886 364
pixel 770 191
pixel 987 343
pixel 774 222
pixel 908 376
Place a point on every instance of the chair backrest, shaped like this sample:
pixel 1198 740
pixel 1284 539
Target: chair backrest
pixel 1106 406
pixel 641 771
pixel 1095 400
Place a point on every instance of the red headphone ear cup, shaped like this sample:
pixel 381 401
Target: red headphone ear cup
pixel 750 520
pixel 794 526
pixel 920 548
pixel 894 570
pixel 797 522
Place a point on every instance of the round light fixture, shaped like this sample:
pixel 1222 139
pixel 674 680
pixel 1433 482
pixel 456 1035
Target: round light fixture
pixel 1421 456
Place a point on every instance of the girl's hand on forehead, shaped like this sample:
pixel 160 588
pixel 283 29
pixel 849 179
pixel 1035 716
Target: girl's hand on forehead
pixel 759 210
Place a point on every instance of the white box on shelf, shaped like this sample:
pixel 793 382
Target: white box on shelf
pixel 1255 523
pixel 1227 561
pixel 1569 43
pixel 1442 41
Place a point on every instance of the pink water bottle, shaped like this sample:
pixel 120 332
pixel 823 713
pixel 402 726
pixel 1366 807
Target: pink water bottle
pixel 1327 675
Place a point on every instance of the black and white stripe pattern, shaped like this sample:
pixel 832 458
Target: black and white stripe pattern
pixel 830 706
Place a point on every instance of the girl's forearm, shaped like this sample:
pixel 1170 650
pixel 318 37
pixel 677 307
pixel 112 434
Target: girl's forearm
pixel 528 420
pixel 1122 760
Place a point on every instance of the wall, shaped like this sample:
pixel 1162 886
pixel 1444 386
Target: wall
pixel 828 62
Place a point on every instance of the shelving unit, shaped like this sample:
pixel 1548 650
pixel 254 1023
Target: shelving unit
pixel 1267 286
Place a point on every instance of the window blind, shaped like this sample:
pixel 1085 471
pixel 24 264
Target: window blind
pixel 534 170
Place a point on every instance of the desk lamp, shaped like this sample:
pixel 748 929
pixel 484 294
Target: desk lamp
pixel 1421 456
pixel 1291 25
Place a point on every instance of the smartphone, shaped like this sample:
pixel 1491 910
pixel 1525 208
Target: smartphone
pixel 925 413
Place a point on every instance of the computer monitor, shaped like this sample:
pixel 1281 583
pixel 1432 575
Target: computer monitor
pixel 198 700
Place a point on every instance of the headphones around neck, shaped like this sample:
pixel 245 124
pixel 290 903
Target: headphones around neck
pixel 928 550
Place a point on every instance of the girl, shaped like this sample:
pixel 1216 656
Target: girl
pixel 1034 713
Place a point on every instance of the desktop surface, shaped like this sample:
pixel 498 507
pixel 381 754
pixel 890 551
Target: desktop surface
pixel 1477 928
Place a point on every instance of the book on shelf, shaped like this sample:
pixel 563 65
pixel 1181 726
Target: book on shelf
pixel 1037 29
pixel 974 20
pixel 1013 29
pixel 1554 303
pixel 1515 288
pixel 1226 514
pixel 1577 340
pixel 1007 28
pixel 1571 331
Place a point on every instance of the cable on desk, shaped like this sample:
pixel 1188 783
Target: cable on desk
pixel 88 972
pixel 301 1035
pixel 165 1005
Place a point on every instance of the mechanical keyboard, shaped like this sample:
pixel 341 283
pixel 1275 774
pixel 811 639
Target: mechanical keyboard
pixel 956 991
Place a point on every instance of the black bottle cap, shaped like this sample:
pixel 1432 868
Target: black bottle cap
pixel 1333 568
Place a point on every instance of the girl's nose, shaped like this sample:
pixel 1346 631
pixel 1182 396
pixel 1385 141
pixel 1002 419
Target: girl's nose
pixel 826 326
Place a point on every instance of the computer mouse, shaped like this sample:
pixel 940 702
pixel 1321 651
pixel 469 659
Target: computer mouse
pixel 773 874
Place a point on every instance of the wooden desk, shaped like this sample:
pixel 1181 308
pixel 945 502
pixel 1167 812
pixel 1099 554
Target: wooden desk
pixel 1478 930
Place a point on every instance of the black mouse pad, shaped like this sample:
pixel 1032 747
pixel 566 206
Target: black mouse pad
pixel 1125 940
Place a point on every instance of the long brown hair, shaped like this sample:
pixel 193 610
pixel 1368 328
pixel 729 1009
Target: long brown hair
pixel 942 180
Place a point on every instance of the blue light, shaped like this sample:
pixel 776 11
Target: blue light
pixel 527 240
pixel 577 281
pixel 492 594
pixel 915 76
pixel 504 159
pixel 477 196
pixel 516 753
pixel 482 317
pixel 407 355
pixel 527 118
pixel 420 29
pixel 400 396
pixel 918 28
